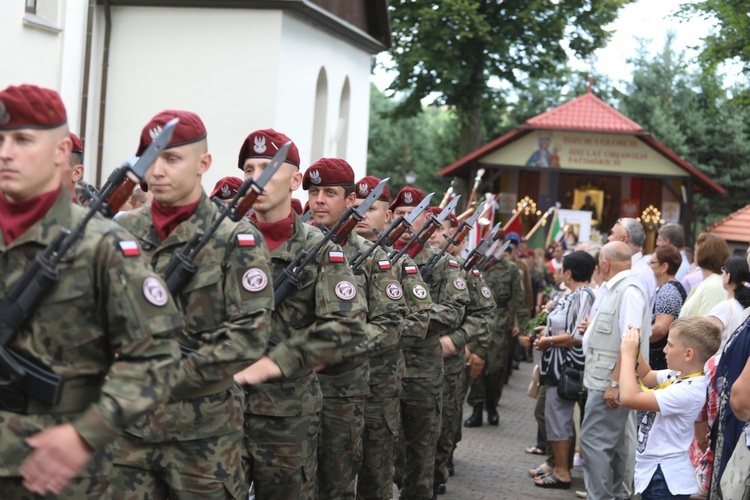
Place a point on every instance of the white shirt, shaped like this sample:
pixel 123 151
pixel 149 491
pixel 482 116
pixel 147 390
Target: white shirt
pixel 645 275
pixel 731 315
pixel 684 267
pixel 631 309
pixel 664 436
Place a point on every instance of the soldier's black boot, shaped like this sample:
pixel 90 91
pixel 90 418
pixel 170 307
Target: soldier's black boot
pixel 492 416
pixel 451 467
pixel 475 420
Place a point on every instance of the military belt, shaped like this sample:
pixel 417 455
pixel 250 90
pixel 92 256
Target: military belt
pixel 207 390
pixel 77 395
pixel 346 366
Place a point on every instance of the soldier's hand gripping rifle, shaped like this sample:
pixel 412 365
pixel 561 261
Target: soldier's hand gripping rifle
pixel 424 234
pixel 458 236
pixel 391 233
pixel 181 269
pixel 18 306
pixel 477 253
pixel 288 280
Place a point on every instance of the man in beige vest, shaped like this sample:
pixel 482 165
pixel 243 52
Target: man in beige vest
pixel 607 427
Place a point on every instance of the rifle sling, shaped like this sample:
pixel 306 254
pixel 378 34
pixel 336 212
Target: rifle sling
pixel 77 395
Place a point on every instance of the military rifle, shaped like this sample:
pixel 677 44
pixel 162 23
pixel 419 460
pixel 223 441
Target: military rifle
pixel 478 252
pixel 424 234
pixel 492 259
pixel 32 377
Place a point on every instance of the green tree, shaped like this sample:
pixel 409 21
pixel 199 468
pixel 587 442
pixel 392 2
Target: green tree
pixel 462 51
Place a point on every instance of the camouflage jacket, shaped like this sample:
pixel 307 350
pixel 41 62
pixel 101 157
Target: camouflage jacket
pixel 476 327
pixel 504 281
pixel 227 308
pixel 108 315
pixel 450 296
pixel 320 323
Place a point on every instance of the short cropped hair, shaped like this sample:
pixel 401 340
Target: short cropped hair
pixel 580 264
pixel 674 233
pixel 698 333
pixel 635 231
pixel 75 159
pixel 669 255
pixel 711 252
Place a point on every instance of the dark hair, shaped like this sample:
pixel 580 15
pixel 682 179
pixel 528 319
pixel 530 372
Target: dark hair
pixel 711 252
pixel 580 264
pixel 739 274
pixel 674 233
pixel 348 189
pixel 667 254
pixel 75 159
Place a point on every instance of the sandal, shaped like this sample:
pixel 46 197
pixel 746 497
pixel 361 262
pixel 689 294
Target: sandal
pixel 535 450
pixel 539 471
pixel 552 481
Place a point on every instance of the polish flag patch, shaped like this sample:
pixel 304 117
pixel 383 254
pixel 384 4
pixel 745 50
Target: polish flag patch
pixel 477 273
pixel 130 248
pixel 336 256
pixel 384 265
pixel 453 263
pixel 246 240
pixel 411 269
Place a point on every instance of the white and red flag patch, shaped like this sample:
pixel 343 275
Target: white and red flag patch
pixel 453 263
pixel 246 240
pixel 384 265
pixel 411 269
pixel 130 248
pixel 335 256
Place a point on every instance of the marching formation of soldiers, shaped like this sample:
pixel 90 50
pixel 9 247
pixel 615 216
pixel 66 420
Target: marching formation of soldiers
pixel 195 347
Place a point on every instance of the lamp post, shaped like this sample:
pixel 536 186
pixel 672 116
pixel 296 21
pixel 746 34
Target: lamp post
pixel 410 177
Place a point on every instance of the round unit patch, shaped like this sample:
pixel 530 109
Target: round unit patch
pixel 393 291
pixel 345 290
pixel 419 292
pixel 254 280
pixel 154 292
pixel 459 283
pixel 486 292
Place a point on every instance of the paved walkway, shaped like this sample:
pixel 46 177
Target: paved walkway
pixel 490 461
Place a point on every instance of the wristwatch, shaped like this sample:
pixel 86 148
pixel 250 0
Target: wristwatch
pixel 613 384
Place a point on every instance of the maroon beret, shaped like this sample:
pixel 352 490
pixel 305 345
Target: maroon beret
pixel 451 216
pixel 189 130
pixel 328 172
pixel 77 144
pixel 365 186
pixel 407 197
pixel 297 206
pixel 226 188
pixel 264 144
pixel 29 106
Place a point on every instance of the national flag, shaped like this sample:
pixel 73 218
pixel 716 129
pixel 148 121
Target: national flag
pixel 514 224
pixel 246 240
pixel 555 231
pixel 411 269
pixel 129 248
pixel 452 263
pixel 535 238
pixel 335 256
pixel 384 265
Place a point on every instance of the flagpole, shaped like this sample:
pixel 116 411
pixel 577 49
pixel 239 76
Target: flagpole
pixel 540 222
pixel 515 216
pixel 552 225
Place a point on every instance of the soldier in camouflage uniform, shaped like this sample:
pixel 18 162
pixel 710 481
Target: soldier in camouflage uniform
pixel 319 323
pixel 421 403
pixel 192 445
pixel 387 368
pixel 504 282
pixel 330 186
pixel 478 318
pixel 105 327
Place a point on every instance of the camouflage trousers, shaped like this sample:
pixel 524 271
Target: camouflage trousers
pixel 202 468
pixel 375 478
pixel 11 488
pixel 421 406
pixel 342 422
pixel 282 455
pixel 487 388
pixel 453 402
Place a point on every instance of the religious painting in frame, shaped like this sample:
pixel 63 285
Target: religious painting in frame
pixel 589 199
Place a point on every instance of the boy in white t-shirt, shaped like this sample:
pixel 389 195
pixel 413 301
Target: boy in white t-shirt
pixel 669 410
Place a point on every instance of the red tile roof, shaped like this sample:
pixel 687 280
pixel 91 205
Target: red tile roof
pixel 736 227
pixel 586 113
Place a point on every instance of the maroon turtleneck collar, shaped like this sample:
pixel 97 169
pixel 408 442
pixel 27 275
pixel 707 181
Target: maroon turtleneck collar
pixel 17 217
pixel 413 250
pixel 275 233
pixel 167 218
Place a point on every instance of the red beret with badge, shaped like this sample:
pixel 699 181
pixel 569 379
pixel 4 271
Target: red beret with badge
pixel 189 130
pixel 264 144
pixel 328 172
pixel 451 216
pixel 29 106
pixel 77 144
pixel 226 188
pixel 365 186
pixel 407 197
